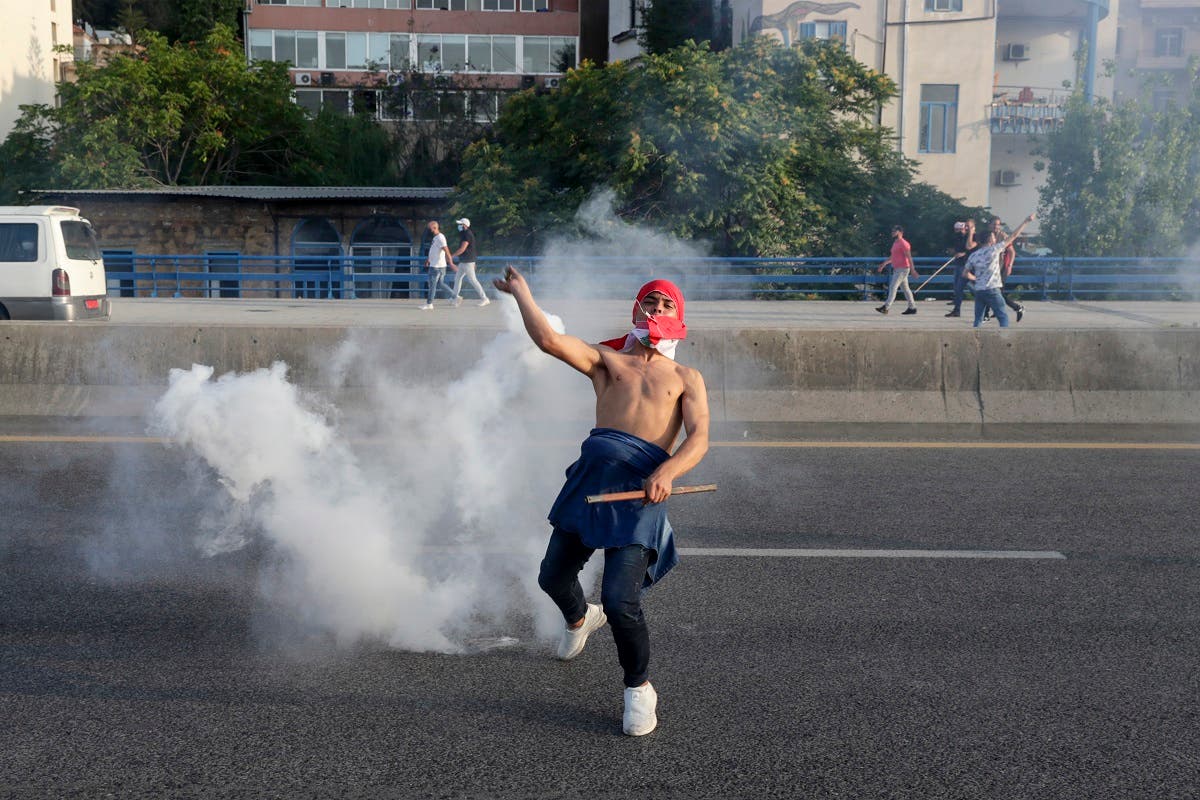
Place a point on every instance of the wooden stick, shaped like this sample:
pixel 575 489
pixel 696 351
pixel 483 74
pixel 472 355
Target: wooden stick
pixel 613 497
pixel 934 275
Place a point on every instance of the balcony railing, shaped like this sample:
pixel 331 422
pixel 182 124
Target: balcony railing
pixel 1027 109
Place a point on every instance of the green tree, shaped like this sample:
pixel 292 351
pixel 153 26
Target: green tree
pixel 195 19
pixel 1124 179
pixel 758 150
pixel 184 114
pixel 667 24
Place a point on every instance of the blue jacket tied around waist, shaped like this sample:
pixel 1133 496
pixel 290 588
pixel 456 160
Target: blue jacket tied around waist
pixel 615 461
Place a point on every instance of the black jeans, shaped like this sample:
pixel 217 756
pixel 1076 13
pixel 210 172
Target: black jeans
pixel 620 594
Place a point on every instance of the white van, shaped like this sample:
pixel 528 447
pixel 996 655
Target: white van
pixel 50 265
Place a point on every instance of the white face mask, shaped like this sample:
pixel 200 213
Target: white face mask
pixel 665 346
pixel 460 227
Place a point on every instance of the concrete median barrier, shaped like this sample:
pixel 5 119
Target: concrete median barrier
pixel 1149 375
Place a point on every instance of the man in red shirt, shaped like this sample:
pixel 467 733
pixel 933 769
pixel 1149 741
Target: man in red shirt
pixel 902 265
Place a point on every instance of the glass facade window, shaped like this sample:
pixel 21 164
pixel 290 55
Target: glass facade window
pixel 562 53
pixel 335 50
pixel 309 100
pixel 262 45
pixel 835 31
pixel 454 53
pixel 504 54
pixel 1168 42
pixel 356 51
pixel 479 53
pixel 285 46
pixel 379 50
pixel 939 118
pixel 535 54
pixel 307 53
pixel 943 5
pixel 401 57
pixel 535 5
pixel 499 5
pixel 429 53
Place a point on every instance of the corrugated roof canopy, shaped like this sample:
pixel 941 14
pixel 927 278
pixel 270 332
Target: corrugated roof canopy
pixel 271 192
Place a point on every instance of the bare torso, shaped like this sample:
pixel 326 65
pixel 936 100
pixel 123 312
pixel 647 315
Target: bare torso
pixel 640 395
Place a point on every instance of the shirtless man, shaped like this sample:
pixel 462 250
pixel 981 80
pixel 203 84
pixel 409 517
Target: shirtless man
pixel 643 398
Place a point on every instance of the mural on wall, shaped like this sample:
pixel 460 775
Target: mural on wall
pixel 787 22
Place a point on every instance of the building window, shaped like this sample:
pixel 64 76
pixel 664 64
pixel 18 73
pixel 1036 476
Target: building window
pixel 262 45
pixel 401 56
pixel 943 5
pixel 479 53
pixel 316 100
pixel 335 50
pixel 1168 42
pixel 823 30
pixel 378 3
pixel 442 5
pixel 633 14
pixel 535 5
pixel 317 3
pixel 499 5
pixel 939 117
pixel 1163 99
pixel 307 55
pixel 504 54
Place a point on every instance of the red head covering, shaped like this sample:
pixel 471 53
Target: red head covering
pixel 659 327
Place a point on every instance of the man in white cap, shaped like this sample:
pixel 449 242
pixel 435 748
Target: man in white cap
pixel 466 263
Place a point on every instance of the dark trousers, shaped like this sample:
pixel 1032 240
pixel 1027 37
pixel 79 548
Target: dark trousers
pixel 620 594
pixel 960 283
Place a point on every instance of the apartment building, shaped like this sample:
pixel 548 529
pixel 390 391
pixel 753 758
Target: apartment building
pixel 30 64
pixel 1156 40
pixel 415 59
pixel 977 80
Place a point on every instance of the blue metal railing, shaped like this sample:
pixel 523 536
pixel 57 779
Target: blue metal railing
pixel 856 278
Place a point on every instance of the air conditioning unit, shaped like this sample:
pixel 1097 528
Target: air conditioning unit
pixel 945 5
pixel 1006 177
pixel 1016 52
pixel 441 80
pixel 327 79
pixel 303 78
pixel 527 81
pixel 553 83
pixel 395 79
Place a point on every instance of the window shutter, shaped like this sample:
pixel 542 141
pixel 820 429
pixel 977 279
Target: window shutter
pixel 808 30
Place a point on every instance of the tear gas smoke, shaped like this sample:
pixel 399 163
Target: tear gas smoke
pixel 428 534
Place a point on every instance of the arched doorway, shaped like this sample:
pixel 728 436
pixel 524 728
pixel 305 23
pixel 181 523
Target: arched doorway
pixel 317 249
pixel 381 244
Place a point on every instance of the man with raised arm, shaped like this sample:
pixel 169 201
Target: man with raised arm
pixel 643 398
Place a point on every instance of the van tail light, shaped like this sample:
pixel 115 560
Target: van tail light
pixel 61 283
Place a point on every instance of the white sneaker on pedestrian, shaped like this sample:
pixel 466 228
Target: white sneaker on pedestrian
pixel 640 704
pixel 426 307
pixel 457 302
pixel 575 638
pixel 484 302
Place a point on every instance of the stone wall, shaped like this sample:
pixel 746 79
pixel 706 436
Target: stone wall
pixel 195 225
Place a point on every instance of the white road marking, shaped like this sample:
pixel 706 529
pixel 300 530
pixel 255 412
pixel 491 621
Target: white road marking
pixel 754 552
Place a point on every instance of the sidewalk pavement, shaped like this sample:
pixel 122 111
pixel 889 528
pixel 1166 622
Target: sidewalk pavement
pixel 610 317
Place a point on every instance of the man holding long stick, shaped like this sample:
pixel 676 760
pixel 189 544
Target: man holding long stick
pixel 643 398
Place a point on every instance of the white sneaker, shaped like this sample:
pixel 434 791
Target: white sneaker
pixel 575 638
pixel 484 302
pixel 457 302
pixel 426 307
pixel 640 703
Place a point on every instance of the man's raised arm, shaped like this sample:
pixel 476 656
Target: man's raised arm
pixel 570 349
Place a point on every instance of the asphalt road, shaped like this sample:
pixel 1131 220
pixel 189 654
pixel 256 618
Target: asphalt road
pixel 779 675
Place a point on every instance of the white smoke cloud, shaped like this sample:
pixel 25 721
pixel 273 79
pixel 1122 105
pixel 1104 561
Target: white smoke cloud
pixel 396 504
pixel 426 536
